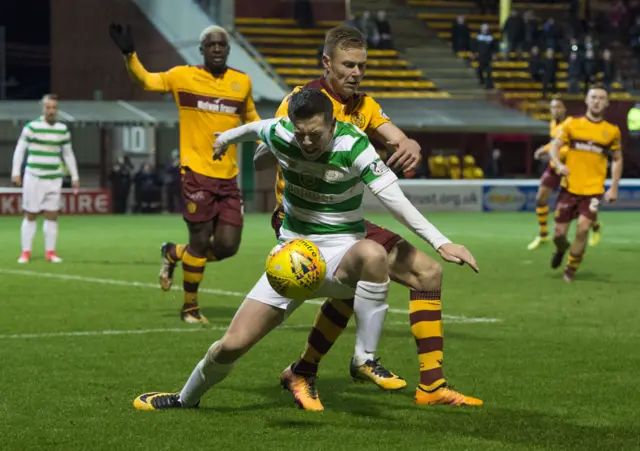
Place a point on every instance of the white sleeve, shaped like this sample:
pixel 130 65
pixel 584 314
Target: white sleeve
pixel 263 158
pixel 70 161
pixel 397 203
pixel 19 153
pixel 253 131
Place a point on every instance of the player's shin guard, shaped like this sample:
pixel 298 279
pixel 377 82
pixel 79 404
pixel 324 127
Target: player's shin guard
pixel 370 309
pixel 331 320
pixel 205 375
pixel 425 316
pixel 50 230
pixel 27 232
pixel 543 217
pixel 573 264
pixel 370 315
pixel 192 272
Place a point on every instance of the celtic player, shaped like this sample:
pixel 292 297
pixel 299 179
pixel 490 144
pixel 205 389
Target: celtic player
pixel 326 164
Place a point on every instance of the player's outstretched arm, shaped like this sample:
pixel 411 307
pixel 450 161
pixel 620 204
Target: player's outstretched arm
pixel 123 39
pixel 252 131
pixel 405 212
pixel 406 153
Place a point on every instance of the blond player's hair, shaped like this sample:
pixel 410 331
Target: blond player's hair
pixel 49 96
pixel 345 38
pixel 213 29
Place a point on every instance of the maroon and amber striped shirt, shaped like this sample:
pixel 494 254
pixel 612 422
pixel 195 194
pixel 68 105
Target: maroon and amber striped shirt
pixel 207 104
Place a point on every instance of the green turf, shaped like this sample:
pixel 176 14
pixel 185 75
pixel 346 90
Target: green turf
pixel 559 371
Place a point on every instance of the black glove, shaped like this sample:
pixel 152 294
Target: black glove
pixel 122 37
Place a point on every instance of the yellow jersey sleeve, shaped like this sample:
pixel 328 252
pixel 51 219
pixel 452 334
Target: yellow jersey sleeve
pixel 250 114
pixel 564 132
pixel 150 81
pixel 616 143
pixel 373 110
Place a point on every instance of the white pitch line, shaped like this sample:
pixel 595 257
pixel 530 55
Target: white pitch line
pixel 90 333
pixel 237 294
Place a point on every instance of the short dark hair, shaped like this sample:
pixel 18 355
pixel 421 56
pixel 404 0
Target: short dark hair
pixel 599 86
pixel 49 96
pixel 309 102
pixel 345 38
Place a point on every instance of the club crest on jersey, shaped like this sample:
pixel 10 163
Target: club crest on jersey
pixel 191 207
pixel 378 167
pixel 332 175
pixel 357 119
pixel 307 180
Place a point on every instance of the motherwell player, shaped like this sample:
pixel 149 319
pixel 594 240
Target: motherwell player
pixel 591 141
pixel 550 180
pixel 211 98
pixel 344 59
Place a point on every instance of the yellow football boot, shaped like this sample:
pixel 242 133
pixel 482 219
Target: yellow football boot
pixel 158 401
pixel 538 241
pixel 373 371
pixel 191 314
pixel 303 388
pixel 595 236
pixel 444 395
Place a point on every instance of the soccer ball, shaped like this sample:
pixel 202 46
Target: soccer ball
pixel 296 269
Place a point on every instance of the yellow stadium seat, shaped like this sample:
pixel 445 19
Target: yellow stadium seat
pixel 282 31
pixel 290 40
pixel 370 72
pixel 314 62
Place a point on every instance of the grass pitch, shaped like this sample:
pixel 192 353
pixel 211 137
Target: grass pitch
pixel 556 363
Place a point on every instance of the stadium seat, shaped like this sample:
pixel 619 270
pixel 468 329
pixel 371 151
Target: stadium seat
pixel 294 54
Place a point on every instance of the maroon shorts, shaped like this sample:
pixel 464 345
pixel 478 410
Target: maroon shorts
pixel 569 206
pixel 210 199
pixel 380 235
pixel 550 179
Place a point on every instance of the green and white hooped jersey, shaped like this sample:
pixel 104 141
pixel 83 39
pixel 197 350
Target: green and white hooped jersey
pixel 45 144
pixel 323 194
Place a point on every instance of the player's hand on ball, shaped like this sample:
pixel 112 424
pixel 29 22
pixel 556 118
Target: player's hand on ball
pixel 122 37
pixel 17 180
pixel 457 253
pixel 219 147
pixel 611 195
pixel 407 155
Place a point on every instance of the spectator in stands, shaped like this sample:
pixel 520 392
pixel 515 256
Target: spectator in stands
pixel 303 13
pixel 634 37
pixel 120 179
pixel 485 48
pixel 552 34
pixel 589 43
pixel 384 30
pixel 550 70
pixel 368 28
pixel 536 65
pixel 493 169
pixel 608 68
pixel 514 32
pixel 617 12
pixel 174 180
pixel 574 45
pixel 574 72
pixel 589 68
pixel 148 190
pixel 531 30
pixel 488 6
pixel 460 36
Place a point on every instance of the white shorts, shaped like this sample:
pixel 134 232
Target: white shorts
pixel 40 194
pixel 333 253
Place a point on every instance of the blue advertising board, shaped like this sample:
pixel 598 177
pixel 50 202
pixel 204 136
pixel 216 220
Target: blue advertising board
pixel 522 197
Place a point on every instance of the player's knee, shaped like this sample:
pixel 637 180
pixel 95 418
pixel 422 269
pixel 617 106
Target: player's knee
pixel 224 250
pixel 582 230
pixel 373 255
pixel 428 275
pixel 230 348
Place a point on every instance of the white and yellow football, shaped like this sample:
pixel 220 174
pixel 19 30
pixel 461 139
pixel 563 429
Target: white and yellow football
pixel 296 269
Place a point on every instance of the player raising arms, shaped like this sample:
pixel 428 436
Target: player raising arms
pixel 44 141
pixel 550 180
pixel 344 59
pixel 210 98
pixel 591 141
pixel 336 159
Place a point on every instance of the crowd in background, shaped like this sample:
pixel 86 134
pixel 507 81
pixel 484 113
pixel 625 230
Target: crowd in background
pixel 584 44
pixel 147 189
